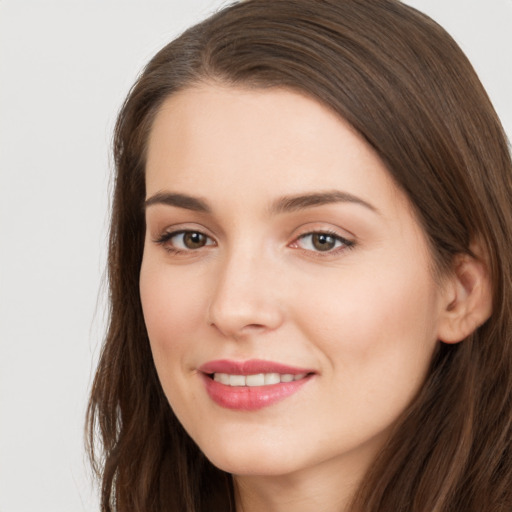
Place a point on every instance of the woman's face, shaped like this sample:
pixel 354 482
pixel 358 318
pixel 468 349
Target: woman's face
pixel 287 287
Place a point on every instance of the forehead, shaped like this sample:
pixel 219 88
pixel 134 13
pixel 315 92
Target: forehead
pixel 225 141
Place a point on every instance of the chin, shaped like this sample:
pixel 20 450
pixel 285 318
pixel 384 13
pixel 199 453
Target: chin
pixel 241 459
pixel 257 466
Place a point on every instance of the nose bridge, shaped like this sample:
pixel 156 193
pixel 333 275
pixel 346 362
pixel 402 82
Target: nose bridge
pixel 245 294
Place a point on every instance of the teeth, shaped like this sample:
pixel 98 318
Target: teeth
pixel 255 380
pixel 259 379
pixel 223 378
pixel 237 380
pixel 272 378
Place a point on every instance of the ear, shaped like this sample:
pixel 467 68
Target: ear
pixel 468 297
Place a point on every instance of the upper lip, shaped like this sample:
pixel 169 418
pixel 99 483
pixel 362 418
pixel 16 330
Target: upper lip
pixel 250 367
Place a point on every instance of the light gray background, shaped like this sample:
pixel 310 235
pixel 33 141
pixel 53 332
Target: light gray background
pixel 65 67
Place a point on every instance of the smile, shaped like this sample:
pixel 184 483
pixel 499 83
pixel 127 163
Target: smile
pixel 258 379
pixel 251 385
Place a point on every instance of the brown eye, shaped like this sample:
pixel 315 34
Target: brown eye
pixel 184 241
pixel 194 240
pixel 323 241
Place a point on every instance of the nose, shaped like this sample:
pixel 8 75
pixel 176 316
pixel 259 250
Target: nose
pixel 246 297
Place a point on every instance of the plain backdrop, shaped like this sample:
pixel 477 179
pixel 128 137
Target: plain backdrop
pixel 65 67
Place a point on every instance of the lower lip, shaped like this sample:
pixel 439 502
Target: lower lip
pixel 250 398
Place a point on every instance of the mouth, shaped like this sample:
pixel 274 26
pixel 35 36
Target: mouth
pixel 255 380
pixel 251 385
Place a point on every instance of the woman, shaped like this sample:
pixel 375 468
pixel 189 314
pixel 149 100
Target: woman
pixel 309 271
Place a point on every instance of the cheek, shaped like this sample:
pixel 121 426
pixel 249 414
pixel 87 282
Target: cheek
pixel 172 306
pixel 379 327
pixel 377 343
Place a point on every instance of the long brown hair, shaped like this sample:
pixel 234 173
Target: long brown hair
pixel 403 83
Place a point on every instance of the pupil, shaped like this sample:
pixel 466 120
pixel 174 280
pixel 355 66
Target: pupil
pixel 323 242
pixel 194 240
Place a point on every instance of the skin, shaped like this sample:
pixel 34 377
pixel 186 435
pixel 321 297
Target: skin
pixel 364 316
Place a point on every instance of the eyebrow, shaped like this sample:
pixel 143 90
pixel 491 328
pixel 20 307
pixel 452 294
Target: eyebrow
pixel 283 204
pixel 303 201
pixel 180 200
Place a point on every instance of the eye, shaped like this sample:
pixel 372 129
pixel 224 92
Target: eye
pixel 322 242
pixel 185 240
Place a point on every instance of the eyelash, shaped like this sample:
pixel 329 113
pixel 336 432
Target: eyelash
pixel 344 243
pixel 165 237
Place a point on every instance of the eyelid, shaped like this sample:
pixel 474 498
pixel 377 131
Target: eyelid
pixel 165 236
pixel 345 242
pixel 159 231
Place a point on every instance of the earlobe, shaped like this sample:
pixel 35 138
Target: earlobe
pixel 468 298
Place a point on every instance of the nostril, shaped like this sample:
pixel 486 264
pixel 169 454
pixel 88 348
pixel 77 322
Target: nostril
pixel 254 326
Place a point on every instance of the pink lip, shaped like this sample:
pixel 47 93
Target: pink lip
pixel 247 398
pixel 251 367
